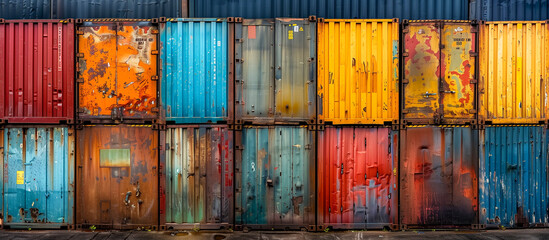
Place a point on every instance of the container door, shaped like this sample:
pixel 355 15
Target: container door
pixel 421 72
pixel 458 68
pixel 117 70
pixel 255 70
pixel 295 69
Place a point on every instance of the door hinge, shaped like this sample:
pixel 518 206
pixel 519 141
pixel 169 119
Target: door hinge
pixel 155 31
pixel 80 80
pixel 341 169
pixel 79 55
pixel 154 52
pixel 405 81
pixel 472 111
pixel 154 110
pixel 473 81
pixel 154 78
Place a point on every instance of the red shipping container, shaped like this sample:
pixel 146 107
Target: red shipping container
pixel 37 71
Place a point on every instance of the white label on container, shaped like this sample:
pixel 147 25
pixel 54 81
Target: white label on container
pixel 296 28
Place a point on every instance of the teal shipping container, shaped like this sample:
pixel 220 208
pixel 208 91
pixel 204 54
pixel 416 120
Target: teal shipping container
pixel 513 176
pixel 275 178
pixel 37 177
pixel 197 85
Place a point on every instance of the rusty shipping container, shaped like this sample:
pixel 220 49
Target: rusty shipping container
pixel 438 177
pixel 117 177
pixel 514 69
pixel 37 182
pixel 198 182
pixel 197 73
pixel 117 71
pixel 357 178
pixel 37 71
pixel 358 71
pixel 513 176
pixel 439 83
pixel 275 178
pixel 275 71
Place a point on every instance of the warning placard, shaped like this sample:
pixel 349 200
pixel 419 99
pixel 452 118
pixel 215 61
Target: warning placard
pixel 20 177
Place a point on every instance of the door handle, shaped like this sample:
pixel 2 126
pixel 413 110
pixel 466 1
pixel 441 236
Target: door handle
pixel 269 182
pixel 427 94
pixel 127 200
pixel 449 91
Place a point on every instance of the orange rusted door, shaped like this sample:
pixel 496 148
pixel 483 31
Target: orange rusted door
pixel 117 69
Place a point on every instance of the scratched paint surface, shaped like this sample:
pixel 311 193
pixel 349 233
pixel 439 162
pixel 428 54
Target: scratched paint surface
pixel 357 174
pixel 438 176
pixel 117 196
pixel 358 71
pixel 275 177
pixel 117 70
pixel 44 192
pixel 514 68
pixel 422 71
pixel 199 179
pixel 513 176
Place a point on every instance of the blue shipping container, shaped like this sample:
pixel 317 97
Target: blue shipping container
pixel 404 9
pixel 62 9
pixel 509 10
pixel 37 177
pixel 513 176
pixel 25 9
pixel 195 85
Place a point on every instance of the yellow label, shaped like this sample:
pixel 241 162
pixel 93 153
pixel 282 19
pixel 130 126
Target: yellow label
pixel 301 29
pixel 20 177
pixel 290 34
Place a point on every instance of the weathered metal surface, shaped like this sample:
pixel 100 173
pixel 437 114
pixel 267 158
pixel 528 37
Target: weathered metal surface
pixel 438 176
pixel 275 70
pixel 357 178
pixel 117 70
pixel 37 177
pixel 404 9
pixel 199 177
pixel 37 71
pixel 275 178
pixel 358 71
pixel 195 83
pixel 116 189
pixel 25 9
pixel 118 9
pixel 514 68
pixel 513 176
pixel 439 82
pixel 508 10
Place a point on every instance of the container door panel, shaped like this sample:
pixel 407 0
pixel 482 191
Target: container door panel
pixel 422 71
pixel 36 155
pixel 14 181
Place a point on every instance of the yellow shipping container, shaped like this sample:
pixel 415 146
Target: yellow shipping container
pixel 358 71
pixel 514 67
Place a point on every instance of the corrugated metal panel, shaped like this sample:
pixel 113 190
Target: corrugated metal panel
pixel 117 70
pixel 275 178
pixel 508 10
pixel 117 177
pixel 118 8
pixel 195 86
pixel 25 9
pixel 514 69
pixel 37 71
pixel 439 82
pixel 358 71
pixel 438 176
pixel 276 55
pixel 199 177
pixel 357 174
pixel 405 9
pixel 38 177
pixel 513 176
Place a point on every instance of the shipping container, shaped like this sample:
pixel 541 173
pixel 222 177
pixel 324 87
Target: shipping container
pixel 405 9
pixel 37 71
pixel 357 178
pixel 25 9
pixel 513 176
pixel 438 177
pixel 275 178
pixel 514 69
pixel 198 180
pixel 275 71
pixel 117 71
pixel 37 181
pixel 196 87
pixel 118 9
pixel 358 71
pixel 508 10
pixel 117 177
pixel 439 82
